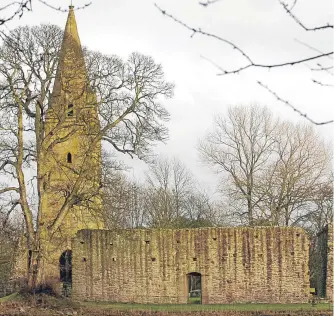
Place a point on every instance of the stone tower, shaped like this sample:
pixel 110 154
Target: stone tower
pixel 72 154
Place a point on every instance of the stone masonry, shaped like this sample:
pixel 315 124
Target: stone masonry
pixel 329 279
pixel 324 260
pixel 260 264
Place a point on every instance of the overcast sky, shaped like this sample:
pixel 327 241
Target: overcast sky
pixel 260 27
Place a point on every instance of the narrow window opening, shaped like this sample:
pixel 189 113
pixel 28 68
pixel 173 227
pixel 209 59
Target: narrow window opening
pixel 153 259
pixel 69 158
pixel 194 259
pixel 70 110
pixel 147 242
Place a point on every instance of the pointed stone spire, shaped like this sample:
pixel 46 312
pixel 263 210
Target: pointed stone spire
pixel 71 30
pixel 71 78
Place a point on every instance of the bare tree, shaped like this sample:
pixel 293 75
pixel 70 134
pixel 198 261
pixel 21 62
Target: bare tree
pixel 202 211
pixel 124 202
pixel 131 120
pixel 299 166
pixel 168 184
pixel 239 148
pixel 320 210
pixel 321 61
pixel 10 233
pixel 174 199
pixel 273 169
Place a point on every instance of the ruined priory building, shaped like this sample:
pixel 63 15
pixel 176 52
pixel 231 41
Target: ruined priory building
pixel 232 265
pixel 260 264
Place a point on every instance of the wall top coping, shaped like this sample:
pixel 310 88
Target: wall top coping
pixel 210 229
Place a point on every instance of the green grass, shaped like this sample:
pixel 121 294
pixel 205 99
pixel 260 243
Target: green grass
pixel 195 300
pixel 175 307
pixel 10 298
pixel 213 307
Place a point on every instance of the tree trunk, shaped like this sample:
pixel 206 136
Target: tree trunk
pixel 43 264
pixel 250 209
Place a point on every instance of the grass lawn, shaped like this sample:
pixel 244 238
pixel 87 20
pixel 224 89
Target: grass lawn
pixel 198 307
pixel 59 303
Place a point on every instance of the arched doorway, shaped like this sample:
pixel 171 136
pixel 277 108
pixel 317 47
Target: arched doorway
pixel 65 271
pixel 194 288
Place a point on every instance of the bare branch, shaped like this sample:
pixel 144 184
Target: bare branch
pixel 14 204
pixel 293 5
pixel 251 63
pixel 213 63
pixel 62 9
pixel 294 108
pixel 5 163
pixel 323 68
pixel 208 2
pixel 199 31
pixel 9 189
pixel 311 47
pixel 24 5
pixel 130 152
pixel 322 27
pixel 322 84
pixel 269 66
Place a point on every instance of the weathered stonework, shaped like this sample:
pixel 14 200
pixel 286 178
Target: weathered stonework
pixel 150 266
pixel 324 262
pixel 71 162
pixel 329 276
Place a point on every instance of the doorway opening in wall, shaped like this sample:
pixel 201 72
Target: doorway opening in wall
pixel 194 288
pixel 65 269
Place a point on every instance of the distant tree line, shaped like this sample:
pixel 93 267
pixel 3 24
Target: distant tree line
pixel 271 172
pixel 168 197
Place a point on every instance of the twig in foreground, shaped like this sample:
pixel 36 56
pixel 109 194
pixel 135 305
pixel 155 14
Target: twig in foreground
pixel 294 108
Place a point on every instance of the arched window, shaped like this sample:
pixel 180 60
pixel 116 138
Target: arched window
pixel 70 110
pixel 69 158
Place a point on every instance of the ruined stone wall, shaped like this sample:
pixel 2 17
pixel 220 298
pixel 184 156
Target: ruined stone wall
pixel 151 266
pixel 324 260
pixel 329 277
